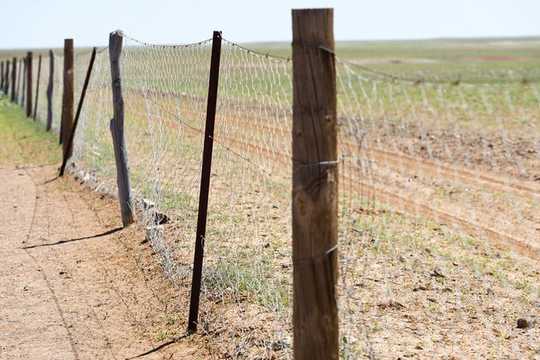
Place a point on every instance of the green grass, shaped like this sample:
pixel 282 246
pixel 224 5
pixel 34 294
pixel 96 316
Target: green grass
pixel 24 141
pixel 467 57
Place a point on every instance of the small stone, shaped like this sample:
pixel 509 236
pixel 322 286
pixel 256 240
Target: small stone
pixel 437 273
pixel 523 323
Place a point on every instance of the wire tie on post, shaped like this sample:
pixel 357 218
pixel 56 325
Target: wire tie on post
pixel 321 163
pixel 312 259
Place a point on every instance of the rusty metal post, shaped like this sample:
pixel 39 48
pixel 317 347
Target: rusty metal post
pixel 205 182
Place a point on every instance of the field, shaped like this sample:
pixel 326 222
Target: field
pixel 439 184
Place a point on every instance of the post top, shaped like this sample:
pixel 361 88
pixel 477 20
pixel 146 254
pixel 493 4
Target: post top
pixel 313 10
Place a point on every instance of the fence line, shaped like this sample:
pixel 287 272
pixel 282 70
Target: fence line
pixel 456 153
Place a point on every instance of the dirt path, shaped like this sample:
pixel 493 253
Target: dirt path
pixel 69 288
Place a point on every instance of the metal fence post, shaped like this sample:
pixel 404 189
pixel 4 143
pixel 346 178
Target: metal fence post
pixel 14 80
pixel 29 97
pixel 205 182
pixel 67 97
pixel 50 87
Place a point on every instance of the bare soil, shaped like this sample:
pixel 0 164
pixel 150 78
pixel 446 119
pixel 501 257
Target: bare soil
pixel 73 283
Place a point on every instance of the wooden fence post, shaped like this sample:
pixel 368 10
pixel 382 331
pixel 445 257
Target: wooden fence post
pixel 205 182
pixel 18 84
pixel 67 97
pixel 50 87
pixel 22 82
pixel 315 186
pixel 37 88
pixel 2 76
pixel 79 108
pixel 29 96
pixel 117 130
pixel 6 77
pixel 14 80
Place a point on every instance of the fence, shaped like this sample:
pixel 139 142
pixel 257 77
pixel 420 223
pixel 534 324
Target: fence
pixel 420 161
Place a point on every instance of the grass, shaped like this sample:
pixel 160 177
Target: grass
pixel 24 141
pixel 440 278
pixel 467 57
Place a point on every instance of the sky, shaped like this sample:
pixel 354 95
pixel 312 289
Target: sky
pixel 45 23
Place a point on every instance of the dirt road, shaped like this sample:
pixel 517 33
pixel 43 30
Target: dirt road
pixel 70 285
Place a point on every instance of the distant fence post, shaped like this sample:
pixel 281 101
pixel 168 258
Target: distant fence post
pixel 19 69
pixel 117 130
pixel 2 76
pixel 50 87
pixel 29 96
pixel 22 90
pixel 37 88
pixel 14 80
pixel 67 97
pixel 6 78
pixel 79 108
pixel 205 182
pixel 315 186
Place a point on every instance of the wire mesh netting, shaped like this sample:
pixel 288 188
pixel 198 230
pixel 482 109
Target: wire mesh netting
pixel 432 170
pixel 438 166
pixel 247 267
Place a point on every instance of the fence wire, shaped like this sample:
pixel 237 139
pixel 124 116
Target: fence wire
pixel 432 170
pixel 432 167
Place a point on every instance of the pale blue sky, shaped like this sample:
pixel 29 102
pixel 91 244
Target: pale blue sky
pixel 45 23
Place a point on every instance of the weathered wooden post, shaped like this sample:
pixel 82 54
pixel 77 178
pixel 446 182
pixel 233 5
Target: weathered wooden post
pixel 37 88
pixel 6 78
pixel 315 186
pixel 14 80
pixel 22 81
pixel 67 97
pixel 205 182
pixel 28 89
pixel 117 130
pixel 79 108
pixel 2 76
pixel 50 87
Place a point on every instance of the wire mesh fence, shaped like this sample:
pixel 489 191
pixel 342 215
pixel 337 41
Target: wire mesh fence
pixel 448 161
pixel 427 165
